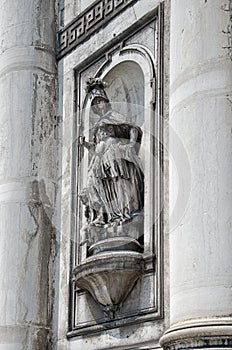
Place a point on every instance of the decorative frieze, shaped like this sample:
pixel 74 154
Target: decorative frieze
pixel 88 22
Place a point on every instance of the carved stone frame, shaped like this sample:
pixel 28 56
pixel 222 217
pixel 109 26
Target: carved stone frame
pixel 152 67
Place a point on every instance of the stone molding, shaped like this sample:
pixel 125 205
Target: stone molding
pixel 150 268
pixel 88 22
pixel 216 333
pixel 84 316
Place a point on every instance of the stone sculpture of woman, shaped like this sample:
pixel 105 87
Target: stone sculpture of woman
pixel 115 184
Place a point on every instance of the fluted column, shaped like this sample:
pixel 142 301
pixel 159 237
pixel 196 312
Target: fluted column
pixel 201 185
pixel 27 172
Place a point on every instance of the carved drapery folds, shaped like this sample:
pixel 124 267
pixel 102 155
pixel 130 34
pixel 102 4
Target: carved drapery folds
pixel 114 189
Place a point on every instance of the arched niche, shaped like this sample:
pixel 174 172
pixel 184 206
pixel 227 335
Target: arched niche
pixel 126 90
pixel 131 88
pixel 130 74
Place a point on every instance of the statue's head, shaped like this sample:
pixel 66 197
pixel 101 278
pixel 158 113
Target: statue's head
pixel 95 88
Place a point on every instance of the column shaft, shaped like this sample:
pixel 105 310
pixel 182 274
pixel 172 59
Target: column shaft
pixel 200 231
pixel 27 172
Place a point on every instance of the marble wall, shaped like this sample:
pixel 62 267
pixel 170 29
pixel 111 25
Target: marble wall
pixel 39 125
pixel 28 172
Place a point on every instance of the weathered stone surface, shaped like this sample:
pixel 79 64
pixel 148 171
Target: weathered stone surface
pixel 200 179
pixel 200 116
pixel 27 171
pixel 109 277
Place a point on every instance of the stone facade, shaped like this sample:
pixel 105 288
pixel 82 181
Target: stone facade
pixel 200 94
pixel 127 53
pixel 168 69
pixel 28 173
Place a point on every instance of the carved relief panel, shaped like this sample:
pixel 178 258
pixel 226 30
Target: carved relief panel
pixel 116 269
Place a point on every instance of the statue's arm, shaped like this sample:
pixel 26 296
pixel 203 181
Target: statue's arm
pixel 88 145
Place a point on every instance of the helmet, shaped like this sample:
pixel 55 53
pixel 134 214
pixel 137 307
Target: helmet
pixel 95 87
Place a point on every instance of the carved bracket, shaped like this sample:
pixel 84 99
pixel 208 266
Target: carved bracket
pixel 109 277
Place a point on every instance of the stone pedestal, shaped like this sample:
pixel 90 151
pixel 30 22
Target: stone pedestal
pixel 27 171
pixel 200 189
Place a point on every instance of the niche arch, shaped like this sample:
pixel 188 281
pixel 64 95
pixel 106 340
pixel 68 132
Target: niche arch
pixel 130 74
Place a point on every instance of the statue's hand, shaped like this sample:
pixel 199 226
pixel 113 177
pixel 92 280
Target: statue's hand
pixel 81 140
